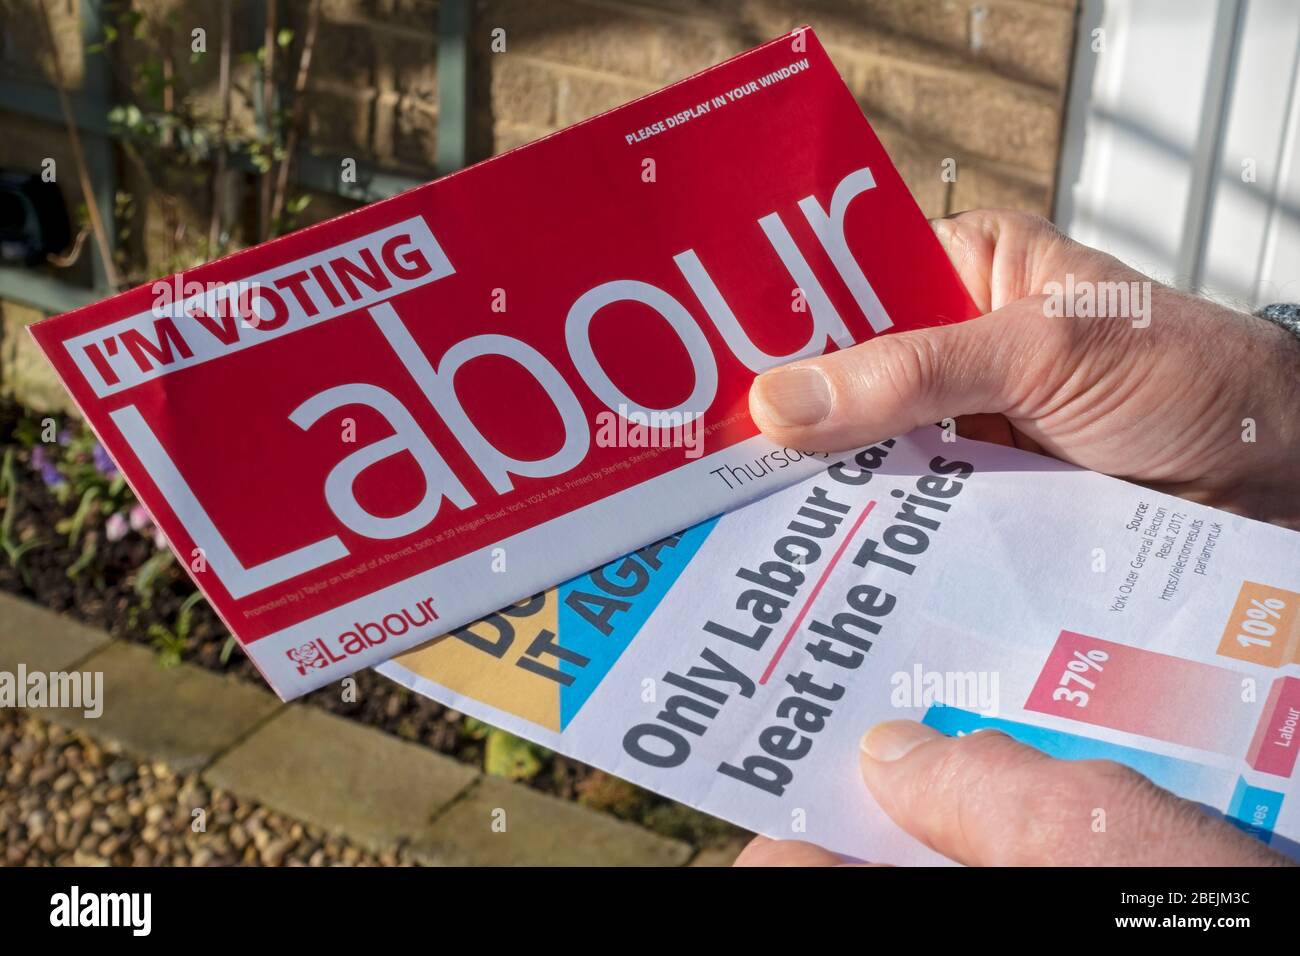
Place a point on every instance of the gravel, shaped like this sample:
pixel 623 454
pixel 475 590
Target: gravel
pixel 66 800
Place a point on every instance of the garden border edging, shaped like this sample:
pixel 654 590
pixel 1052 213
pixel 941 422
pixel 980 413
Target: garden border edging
pixel 357 781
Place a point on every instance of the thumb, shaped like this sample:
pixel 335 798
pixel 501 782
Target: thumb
pixel 897 382
pixel 986 800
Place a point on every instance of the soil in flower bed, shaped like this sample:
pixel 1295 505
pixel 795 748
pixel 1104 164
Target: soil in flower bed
pixel 108 591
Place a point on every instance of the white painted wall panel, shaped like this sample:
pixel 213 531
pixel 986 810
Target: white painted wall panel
pixel 1158 126
pixel 1247 218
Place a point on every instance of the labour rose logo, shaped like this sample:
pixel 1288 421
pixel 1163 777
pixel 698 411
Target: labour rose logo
pixel 308 655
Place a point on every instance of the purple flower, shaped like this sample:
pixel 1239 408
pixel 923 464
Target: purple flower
pixel 103 463
pixel 159 539
pixel 48 471
pixel 115 528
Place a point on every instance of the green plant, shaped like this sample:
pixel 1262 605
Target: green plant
pixel 89 478
pixel 14 550
pixel 77 471
pixel 89 548
pixel 182 137
pixel 514 758
pixel 147 575
pixel 170 642
pixel 227 649
pixel 505 755
pixel 85 508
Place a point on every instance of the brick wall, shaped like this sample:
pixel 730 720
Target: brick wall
pixel 980 82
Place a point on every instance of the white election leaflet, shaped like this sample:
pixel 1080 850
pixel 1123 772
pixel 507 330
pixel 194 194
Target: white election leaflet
pixel 735 666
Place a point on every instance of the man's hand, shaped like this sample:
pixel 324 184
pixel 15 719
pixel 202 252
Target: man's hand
pixel 986 800
pixel 1164 405
pixel 1169 405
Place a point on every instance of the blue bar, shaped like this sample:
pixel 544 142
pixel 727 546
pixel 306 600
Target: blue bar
pixel 1254 809
pixel 1179 776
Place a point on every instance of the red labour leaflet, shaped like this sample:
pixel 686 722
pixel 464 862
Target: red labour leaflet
pixel 364 434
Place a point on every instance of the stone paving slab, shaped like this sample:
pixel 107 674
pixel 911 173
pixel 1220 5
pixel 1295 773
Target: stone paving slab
pixel 539 830
pixel 41 639
pixel 184 716
pixel 342 776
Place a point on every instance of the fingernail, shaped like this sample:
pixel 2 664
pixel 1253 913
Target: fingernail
pixel 895 739
pixel 794 396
